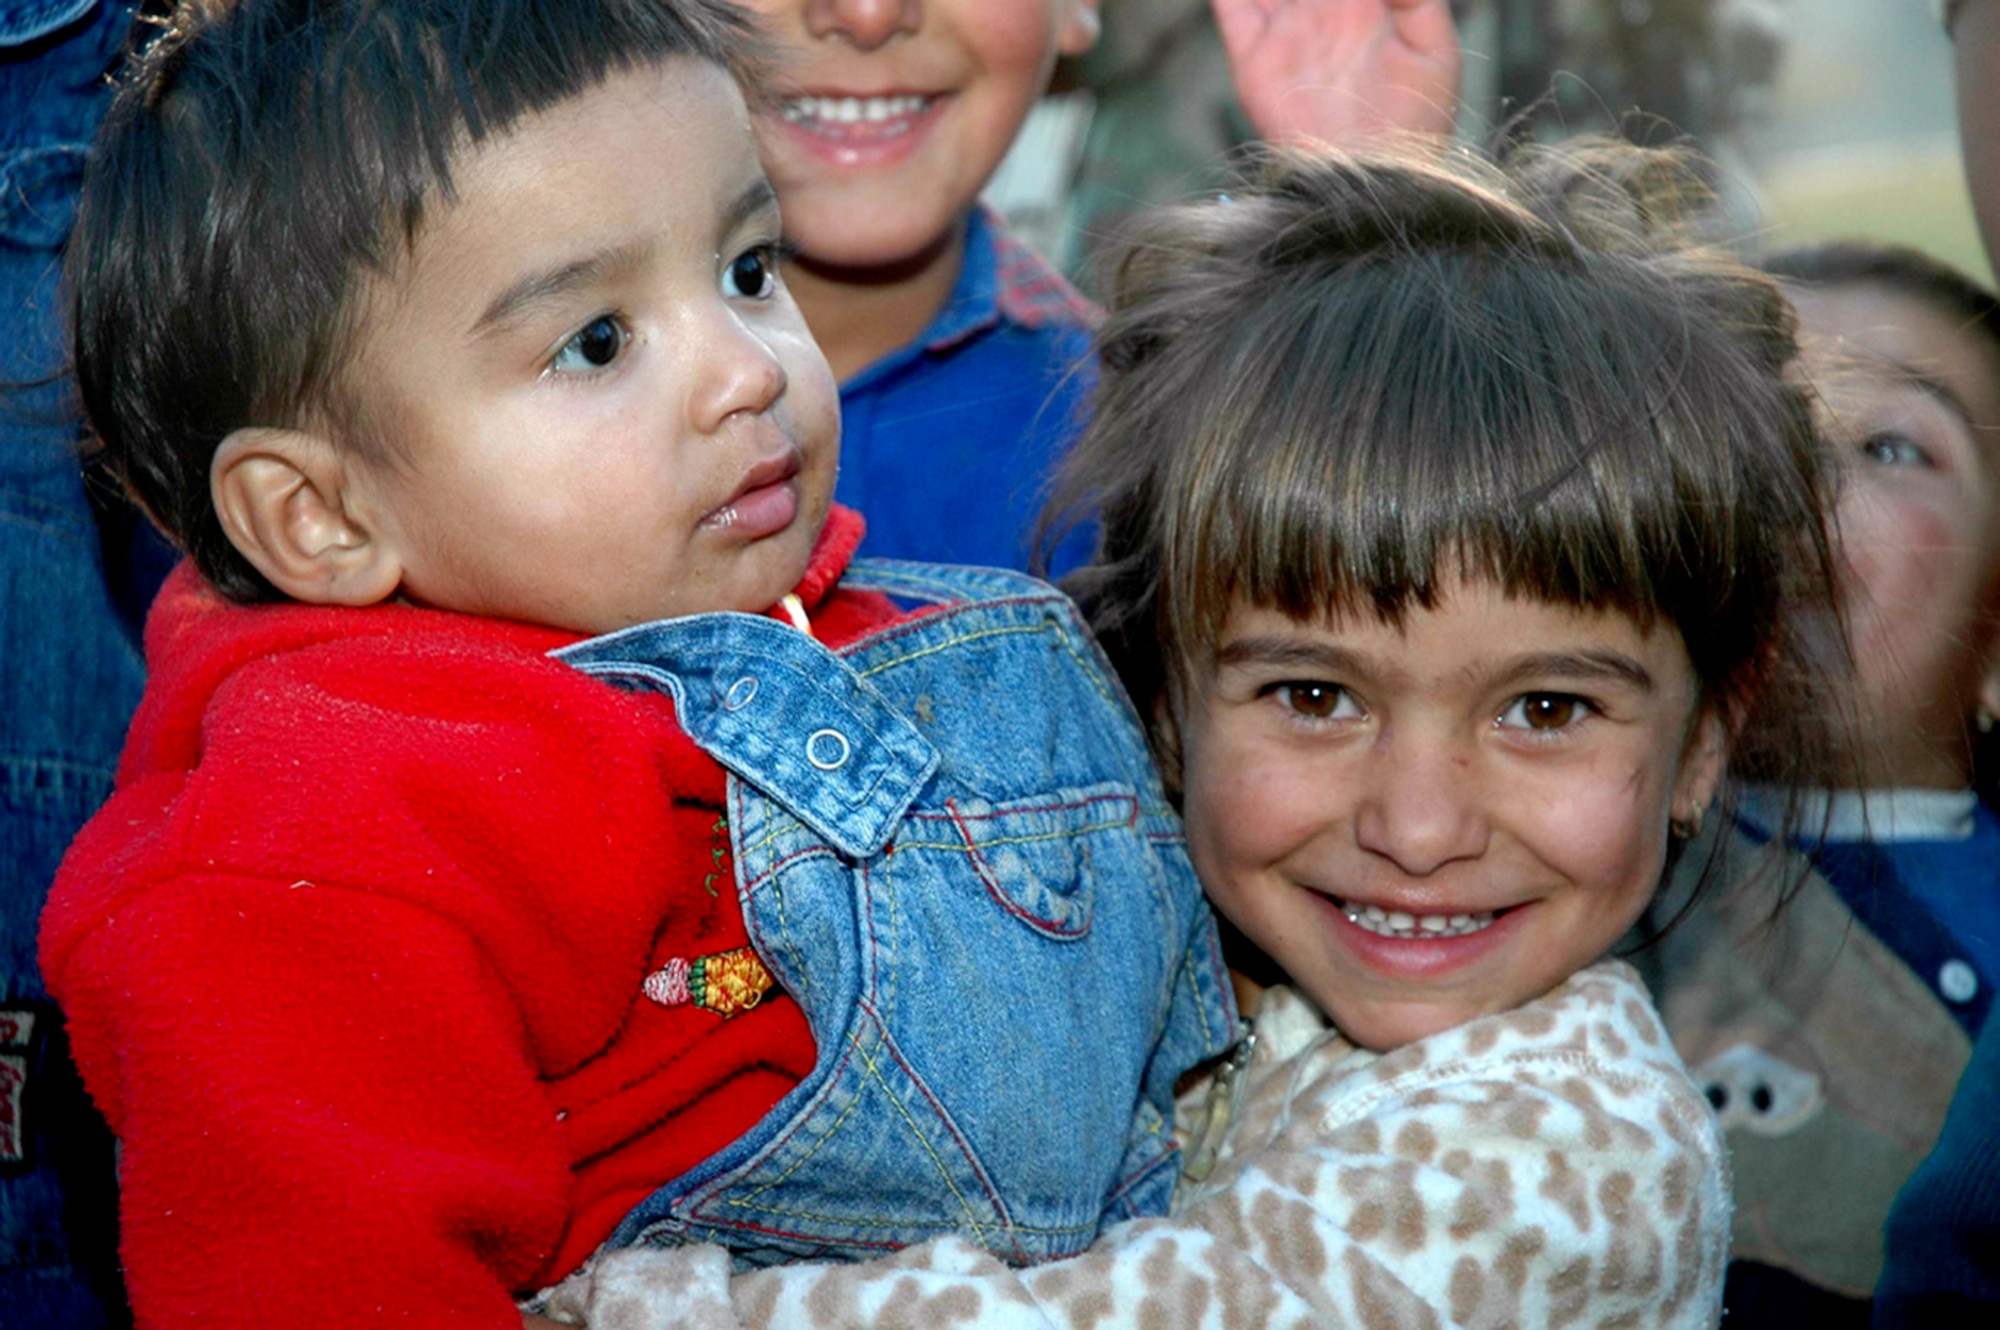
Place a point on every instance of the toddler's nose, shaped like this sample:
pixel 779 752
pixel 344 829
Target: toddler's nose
pixel 744 375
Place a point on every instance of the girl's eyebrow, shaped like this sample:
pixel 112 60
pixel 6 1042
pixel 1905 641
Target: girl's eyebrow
pixel 1291 653
pixel 1583 664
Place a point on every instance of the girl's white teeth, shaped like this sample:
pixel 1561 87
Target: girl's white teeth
pixel 854 110
pixel 1395 923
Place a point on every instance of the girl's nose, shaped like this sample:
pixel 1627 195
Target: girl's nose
pixel 743 375
pixel 866 24
pixel 1421 807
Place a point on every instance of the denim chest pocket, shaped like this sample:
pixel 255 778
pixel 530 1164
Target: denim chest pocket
pixel 985 1028
pixel 1034 857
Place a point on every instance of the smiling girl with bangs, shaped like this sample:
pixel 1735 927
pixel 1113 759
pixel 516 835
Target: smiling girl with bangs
pixel 1454 525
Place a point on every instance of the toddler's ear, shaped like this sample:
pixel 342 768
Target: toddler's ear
pixel 285 500
pixel 1080 27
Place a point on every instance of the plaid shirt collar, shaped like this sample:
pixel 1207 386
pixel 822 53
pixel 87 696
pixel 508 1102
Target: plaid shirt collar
pixel 1004 280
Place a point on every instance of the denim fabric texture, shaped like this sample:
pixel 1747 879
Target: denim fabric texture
pixel 952 851
pixel 69 672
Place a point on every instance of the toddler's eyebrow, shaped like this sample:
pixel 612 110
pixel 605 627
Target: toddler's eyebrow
pixel 755 198
pixel 561 278
pixel 547 284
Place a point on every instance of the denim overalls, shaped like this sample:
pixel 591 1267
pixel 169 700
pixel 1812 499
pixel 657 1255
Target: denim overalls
pixel 952 851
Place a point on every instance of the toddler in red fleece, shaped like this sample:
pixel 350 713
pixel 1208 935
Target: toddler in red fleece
pixel 537 833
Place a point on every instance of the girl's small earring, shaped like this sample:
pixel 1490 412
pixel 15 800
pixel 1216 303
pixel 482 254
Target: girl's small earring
pixel 1687 828
pixel 1983 719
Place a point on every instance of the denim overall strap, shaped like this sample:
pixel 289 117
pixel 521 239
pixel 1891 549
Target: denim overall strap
pixel 943 584
pixel 986 914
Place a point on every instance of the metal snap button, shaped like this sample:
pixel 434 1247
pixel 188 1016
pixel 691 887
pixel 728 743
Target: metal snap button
pixel 1958 981
pixel 740 693
pixel 827 749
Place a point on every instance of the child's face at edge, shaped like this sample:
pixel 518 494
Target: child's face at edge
pixel 1910 407
pixel 892 115
pixel 602 404
pixel 1428 824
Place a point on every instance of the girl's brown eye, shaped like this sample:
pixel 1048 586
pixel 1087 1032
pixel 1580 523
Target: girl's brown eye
pixel 1316 701
pixel 1548 711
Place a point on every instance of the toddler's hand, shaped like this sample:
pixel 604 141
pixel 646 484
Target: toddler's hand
pixel 1342 71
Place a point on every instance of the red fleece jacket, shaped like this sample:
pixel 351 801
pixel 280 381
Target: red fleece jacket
pixel 352 960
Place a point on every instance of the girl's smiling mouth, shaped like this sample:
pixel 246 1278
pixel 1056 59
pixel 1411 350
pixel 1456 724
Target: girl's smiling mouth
pixel 1402 924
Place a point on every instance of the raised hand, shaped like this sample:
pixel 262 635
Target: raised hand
pixel 1342 71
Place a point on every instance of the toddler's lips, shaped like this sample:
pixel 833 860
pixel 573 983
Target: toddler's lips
pixel 764 504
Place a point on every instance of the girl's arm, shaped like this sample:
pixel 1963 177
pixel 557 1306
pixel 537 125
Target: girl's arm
pixel 1550 1165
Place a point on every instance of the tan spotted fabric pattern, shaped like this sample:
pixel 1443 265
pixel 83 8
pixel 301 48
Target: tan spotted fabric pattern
pixel 1551 1166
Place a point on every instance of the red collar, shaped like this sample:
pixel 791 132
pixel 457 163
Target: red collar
pixel 831 554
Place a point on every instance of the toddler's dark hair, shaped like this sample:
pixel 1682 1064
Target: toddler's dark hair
pixel 256 160
pixel 1360 377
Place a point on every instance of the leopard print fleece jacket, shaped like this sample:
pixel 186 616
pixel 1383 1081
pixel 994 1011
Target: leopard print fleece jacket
pixel 1550 1166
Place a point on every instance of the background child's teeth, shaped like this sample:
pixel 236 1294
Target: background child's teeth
pixel 853 110
pixel 1401 922
pixel 1433 923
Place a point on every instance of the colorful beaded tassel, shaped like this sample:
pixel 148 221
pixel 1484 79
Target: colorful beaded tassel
pixel 725 983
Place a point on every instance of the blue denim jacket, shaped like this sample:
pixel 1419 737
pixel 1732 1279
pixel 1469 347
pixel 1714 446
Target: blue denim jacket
pixel 952 851
pixel 69 673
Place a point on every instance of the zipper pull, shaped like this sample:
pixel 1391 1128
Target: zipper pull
pixel 1221 1107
